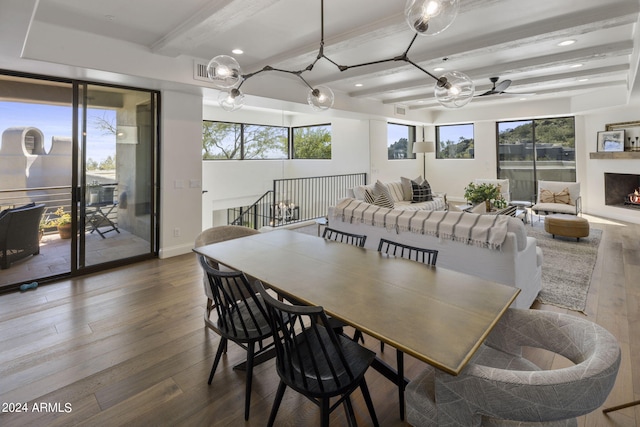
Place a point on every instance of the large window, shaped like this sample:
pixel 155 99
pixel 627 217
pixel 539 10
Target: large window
pixel 532 150
pixel 225 141
pixel 400 140
pixel 312 142
pixel 454 142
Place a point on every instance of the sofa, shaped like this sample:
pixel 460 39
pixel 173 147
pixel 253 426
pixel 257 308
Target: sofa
pixel 19 233
pixel 400 195
pixel 492 247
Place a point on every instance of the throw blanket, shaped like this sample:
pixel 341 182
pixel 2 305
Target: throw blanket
pixel 481 230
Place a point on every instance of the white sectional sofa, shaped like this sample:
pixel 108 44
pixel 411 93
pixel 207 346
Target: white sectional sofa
pixel 488 246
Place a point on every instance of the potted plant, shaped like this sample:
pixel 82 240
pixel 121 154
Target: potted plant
pixel 478 193
pixel 63 222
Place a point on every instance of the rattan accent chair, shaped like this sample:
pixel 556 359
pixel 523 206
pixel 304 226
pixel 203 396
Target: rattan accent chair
pixel 315 361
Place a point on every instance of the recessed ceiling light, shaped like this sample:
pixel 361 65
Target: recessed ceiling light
pixel 110 18
pixel 566 43
pixel 358 85
pixel 575 66
pixel 583 80
pixel 237 51
pixel 438 69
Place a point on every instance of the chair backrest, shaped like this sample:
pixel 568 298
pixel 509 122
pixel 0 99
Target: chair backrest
pixel 309 357
pixel 344 237
pixel 558 186
pixel 220 234
pixel 425 256
pixel 502 183
pixel 242 315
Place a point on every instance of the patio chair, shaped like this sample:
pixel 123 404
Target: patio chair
pixel 314 361
pixel 19 233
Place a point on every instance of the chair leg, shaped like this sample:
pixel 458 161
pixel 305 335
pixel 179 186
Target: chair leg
pixel 324 412
pixel 369 402
pixel 276 403
pixel 358 336
pixel 221 347
pixel 351 416
pixel 249 379
pixel 400 366
pixel 381 347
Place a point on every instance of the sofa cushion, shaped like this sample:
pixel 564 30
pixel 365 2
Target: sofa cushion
pixel 421 192
pixel 395 190
pixel 548 196
pixel 516 226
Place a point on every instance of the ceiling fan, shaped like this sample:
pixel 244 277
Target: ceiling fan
pixel 500 87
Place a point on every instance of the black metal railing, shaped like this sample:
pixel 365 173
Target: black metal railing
pixel 295 200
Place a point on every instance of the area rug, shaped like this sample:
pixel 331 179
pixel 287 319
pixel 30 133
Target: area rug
pixel 567 267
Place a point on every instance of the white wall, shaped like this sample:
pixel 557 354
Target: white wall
pixel 181 172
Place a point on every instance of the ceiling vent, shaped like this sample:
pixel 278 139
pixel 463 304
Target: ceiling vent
pixel 401 110
pixel 200 71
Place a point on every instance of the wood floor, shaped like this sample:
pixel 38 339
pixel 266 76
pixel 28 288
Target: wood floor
pixel 128 347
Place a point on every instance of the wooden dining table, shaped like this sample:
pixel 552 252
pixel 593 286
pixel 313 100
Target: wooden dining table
pixel 436 315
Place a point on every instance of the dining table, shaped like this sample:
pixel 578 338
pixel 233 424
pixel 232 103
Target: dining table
pixel 437 315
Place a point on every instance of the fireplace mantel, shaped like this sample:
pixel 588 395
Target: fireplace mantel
pixel 615 155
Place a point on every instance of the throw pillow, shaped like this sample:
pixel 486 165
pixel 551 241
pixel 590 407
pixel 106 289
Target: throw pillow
pixel 421 192
pixel 381 188
pixel 548 196
pixel 368 196
pixel 382 200
pixel 406 187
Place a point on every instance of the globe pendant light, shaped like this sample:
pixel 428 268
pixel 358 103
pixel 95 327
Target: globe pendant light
pixel 224 71
pixel 231 100
pixel 454 89
pixel 430 17
pixel 320 98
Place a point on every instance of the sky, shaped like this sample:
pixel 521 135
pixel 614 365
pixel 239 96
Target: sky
pixel 55 120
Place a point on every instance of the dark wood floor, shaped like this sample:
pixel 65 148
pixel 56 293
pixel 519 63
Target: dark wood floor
pixel 128 347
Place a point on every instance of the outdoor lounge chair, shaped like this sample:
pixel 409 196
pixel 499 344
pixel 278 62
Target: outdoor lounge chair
pixel 19 229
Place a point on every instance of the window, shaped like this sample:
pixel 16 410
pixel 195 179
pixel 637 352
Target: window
pixel 312 142
pixel 225 141
pixel 532 150
pixel 454 142
pixel 400 140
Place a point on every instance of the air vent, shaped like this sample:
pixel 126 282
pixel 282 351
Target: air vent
pixel 200 71
pixel 401 110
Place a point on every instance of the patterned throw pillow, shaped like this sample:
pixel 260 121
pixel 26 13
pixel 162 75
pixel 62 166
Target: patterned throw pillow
pixel 382 200
pixel 368 196
pixel 421 192
pixel 548 196
pixel 407 192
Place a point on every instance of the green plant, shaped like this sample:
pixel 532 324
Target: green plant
pixel 478 193
pixel 63 218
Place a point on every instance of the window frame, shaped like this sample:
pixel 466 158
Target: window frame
pixel 439 152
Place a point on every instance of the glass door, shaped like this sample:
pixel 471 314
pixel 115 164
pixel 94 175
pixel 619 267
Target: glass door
pixel 85 155
pixel 116 135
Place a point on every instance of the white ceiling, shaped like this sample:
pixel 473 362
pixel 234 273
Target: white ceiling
pixel 510 39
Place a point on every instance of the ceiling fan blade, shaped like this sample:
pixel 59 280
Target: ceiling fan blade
pixel 503 85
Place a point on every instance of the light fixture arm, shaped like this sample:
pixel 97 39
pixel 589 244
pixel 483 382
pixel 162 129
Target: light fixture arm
pixel 442 83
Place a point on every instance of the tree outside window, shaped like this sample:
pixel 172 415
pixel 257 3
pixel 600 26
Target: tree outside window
pixel 454 142
pixel 312 142
pixel 400 139
pixel 224 141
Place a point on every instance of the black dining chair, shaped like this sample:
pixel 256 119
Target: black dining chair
pixel 413 253
pixel 344 237
pixel 315 361
pixel 242 319
pixel 351 239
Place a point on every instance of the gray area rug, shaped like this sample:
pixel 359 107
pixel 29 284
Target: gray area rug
pixel 567 267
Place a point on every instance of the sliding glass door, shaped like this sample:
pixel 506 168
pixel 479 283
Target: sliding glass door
pixel 87 152
pixel 532 150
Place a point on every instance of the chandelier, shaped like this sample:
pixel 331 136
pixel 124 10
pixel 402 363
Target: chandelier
pixel 426 17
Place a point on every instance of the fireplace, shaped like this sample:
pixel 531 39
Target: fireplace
pixel 618 187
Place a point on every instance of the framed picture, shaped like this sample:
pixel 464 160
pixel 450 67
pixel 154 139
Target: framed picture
pixel 631 133
pixel 611 140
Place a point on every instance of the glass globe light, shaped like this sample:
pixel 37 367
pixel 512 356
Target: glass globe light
pixel 430 17
pixel 320 98
pixel 231 100
pixel 454 89
pixel 224 71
